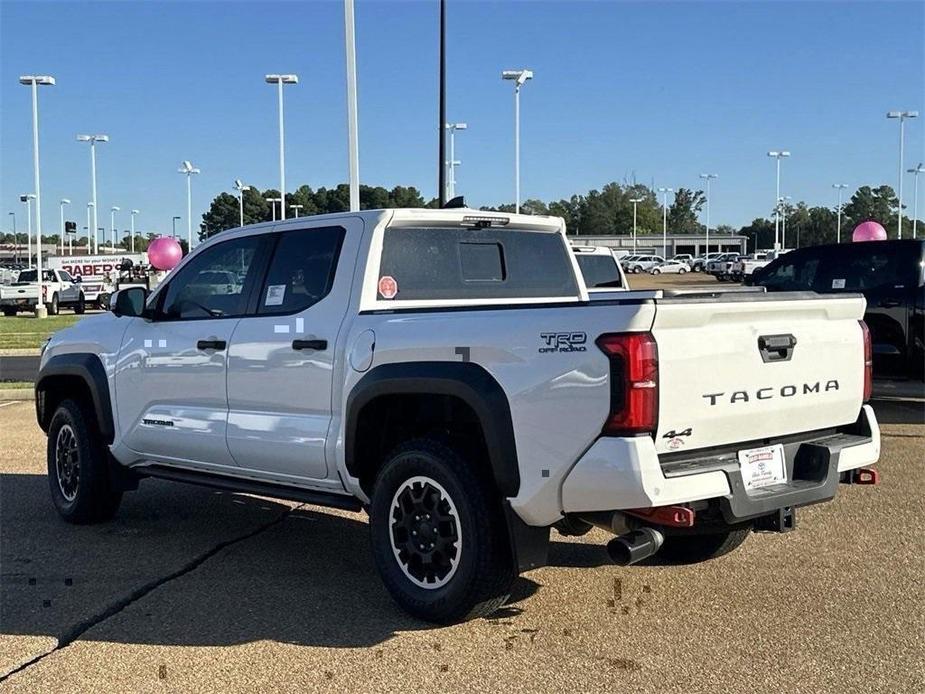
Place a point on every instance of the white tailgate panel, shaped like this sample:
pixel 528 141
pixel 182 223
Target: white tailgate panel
pixel 714 382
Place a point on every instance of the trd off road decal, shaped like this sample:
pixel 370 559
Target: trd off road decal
pixel 563 342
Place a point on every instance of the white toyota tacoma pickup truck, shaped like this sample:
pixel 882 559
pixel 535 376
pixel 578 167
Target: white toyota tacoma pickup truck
pixel 446 371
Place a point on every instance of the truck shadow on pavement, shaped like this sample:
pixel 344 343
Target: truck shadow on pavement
pixel 184 565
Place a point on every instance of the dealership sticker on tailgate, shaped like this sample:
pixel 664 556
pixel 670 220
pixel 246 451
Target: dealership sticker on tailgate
pixel 762 467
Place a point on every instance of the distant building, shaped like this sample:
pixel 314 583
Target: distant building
pixel 695 244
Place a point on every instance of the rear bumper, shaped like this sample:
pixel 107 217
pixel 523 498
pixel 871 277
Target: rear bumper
pixel 626 473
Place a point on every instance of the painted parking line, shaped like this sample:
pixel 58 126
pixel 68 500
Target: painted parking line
pixel 11 402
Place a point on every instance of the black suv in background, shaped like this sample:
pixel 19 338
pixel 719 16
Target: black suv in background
pixel 890 276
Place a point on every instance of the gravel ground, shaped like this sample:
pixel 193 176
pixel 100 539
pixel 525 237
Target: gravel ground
pixel 194 590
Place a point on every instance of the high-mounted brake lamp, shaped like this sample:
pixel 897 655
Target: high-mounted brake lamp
pixel 482 221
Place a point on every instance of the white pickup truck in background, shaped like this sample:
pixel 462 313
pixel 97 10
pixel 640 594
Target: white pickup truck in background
pixel 97 273
pixel 60 290
pixel 754 261
pixel 449 372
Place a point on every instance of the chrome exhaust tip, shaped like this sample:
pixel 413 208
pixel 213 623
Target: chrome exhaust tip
pixel 634 546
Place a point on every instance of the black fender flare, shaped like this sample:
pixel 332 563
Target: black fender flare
pixel 467 381
pixel 89 368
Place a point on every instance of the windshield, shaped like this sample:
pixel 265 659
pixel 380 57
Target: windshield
pixel 599 271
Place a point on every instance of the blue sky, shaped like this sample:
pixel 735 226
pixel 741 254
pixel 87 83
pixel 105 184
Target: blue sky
pixel 655 91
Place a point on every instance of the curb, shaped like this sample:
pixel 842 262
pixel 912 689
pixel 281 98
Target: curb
pixel 17 394
pixel 21 352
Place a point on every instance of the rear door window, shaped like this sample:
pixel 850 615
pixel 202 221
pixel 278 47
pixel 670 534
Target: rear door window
pixel 462 263
pixel 301 271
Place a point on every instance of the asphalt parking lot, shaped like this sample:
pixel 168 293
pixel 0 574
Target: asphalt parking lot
pixel 195 590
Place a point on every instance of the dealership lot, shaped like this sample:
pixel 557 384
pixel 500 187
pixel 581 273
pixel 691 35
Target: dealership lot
pixel 191 589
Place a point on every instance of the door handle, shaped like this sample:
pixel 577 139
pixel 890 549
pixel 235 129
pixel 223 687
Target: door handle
pixel 319 345
pixel 776 347
pixel 889 303
pixel 211 344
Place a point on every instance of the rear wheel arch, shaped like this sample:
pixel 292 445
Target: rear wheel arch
pixel 75 376
pixel 396 402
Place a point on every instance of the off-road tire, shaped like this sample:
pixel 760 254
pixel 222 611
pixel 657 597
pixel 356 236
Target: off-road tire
pixel 91 499
pixel 81 306
pixel 481 580
pixel 9 312
pixel 53 307
pixel 692 549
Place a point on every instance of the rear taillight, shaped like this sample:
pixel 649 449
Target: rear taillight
pixel 633 383
pixel 868 361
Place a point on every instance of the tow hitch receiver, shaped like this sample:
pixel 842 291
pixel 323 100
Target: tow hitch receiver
pixel 781 521
pixel 672 516
pixel 861 475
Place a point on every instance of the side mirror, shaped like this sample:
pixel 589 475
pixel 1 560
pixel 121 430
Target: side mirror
pixel 129 301
pixel 78 279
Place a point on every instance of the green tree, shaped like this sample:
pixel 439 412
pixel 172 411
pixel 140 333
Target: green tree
pixel 682 215
pixel 879 204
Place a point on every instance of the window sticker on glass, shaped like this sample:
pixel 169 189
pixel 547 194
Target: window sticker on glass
pixel 388 287
pixel 275 295
pixel 838 284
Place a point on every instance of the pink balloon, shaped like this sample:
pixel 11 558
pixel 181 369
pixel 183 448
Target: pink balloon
pixel 869 231
pixel 164 253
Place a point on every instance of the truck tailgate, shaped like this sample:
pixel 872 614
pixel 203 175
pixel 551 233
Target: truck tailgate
pixel 727 375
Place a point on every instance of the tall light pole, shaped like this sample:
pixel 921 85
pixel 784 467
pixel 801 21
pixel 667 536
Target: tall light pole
pixel 240 187
pixel 778 156
pixel 15 239
pixel 90 216
pixel 353 147
pixel 112 227
pixel 519 77
pixel 635 202
pixel 93 139
pixel 708 177
pixel 915 196
pixel 273 202
pixel 132 241
pixel 34 81
pixel 190 170
pixel 839 187
pixel 174 224
pixel 902 116
pixel 64 201
pixel 665 191
pixel 280 80
pixel 782 203
pixel 296 209
pixel 27 199
pixel 451 164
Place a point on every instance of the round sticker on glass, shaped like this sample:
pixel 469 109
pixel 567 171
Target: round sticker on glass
pixel 388 287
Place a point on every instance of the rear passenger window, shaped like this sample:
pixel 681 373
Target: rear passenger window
pixel 302 270
pixel 461 263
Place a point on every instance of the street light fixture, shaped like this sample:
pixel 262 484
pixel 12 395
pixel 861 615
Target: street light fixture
pixel 915 195
pixel 665 221
pixel 519 78
pixel 708 177
pixel 280 80
pixel 93 139
pixel 34 81
pixel 132 241
pixel 635 202
pixel 452 163
pixel 240 187
pixel 902 116
pixel 782 204
pixel 91 214
pixel 839 187
pixel 112 227
pixel 296 208
pixel 64 201
pixel 15 239
pixel 272 202
pixel 778 156
pixel 190 170
pixel 27 199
